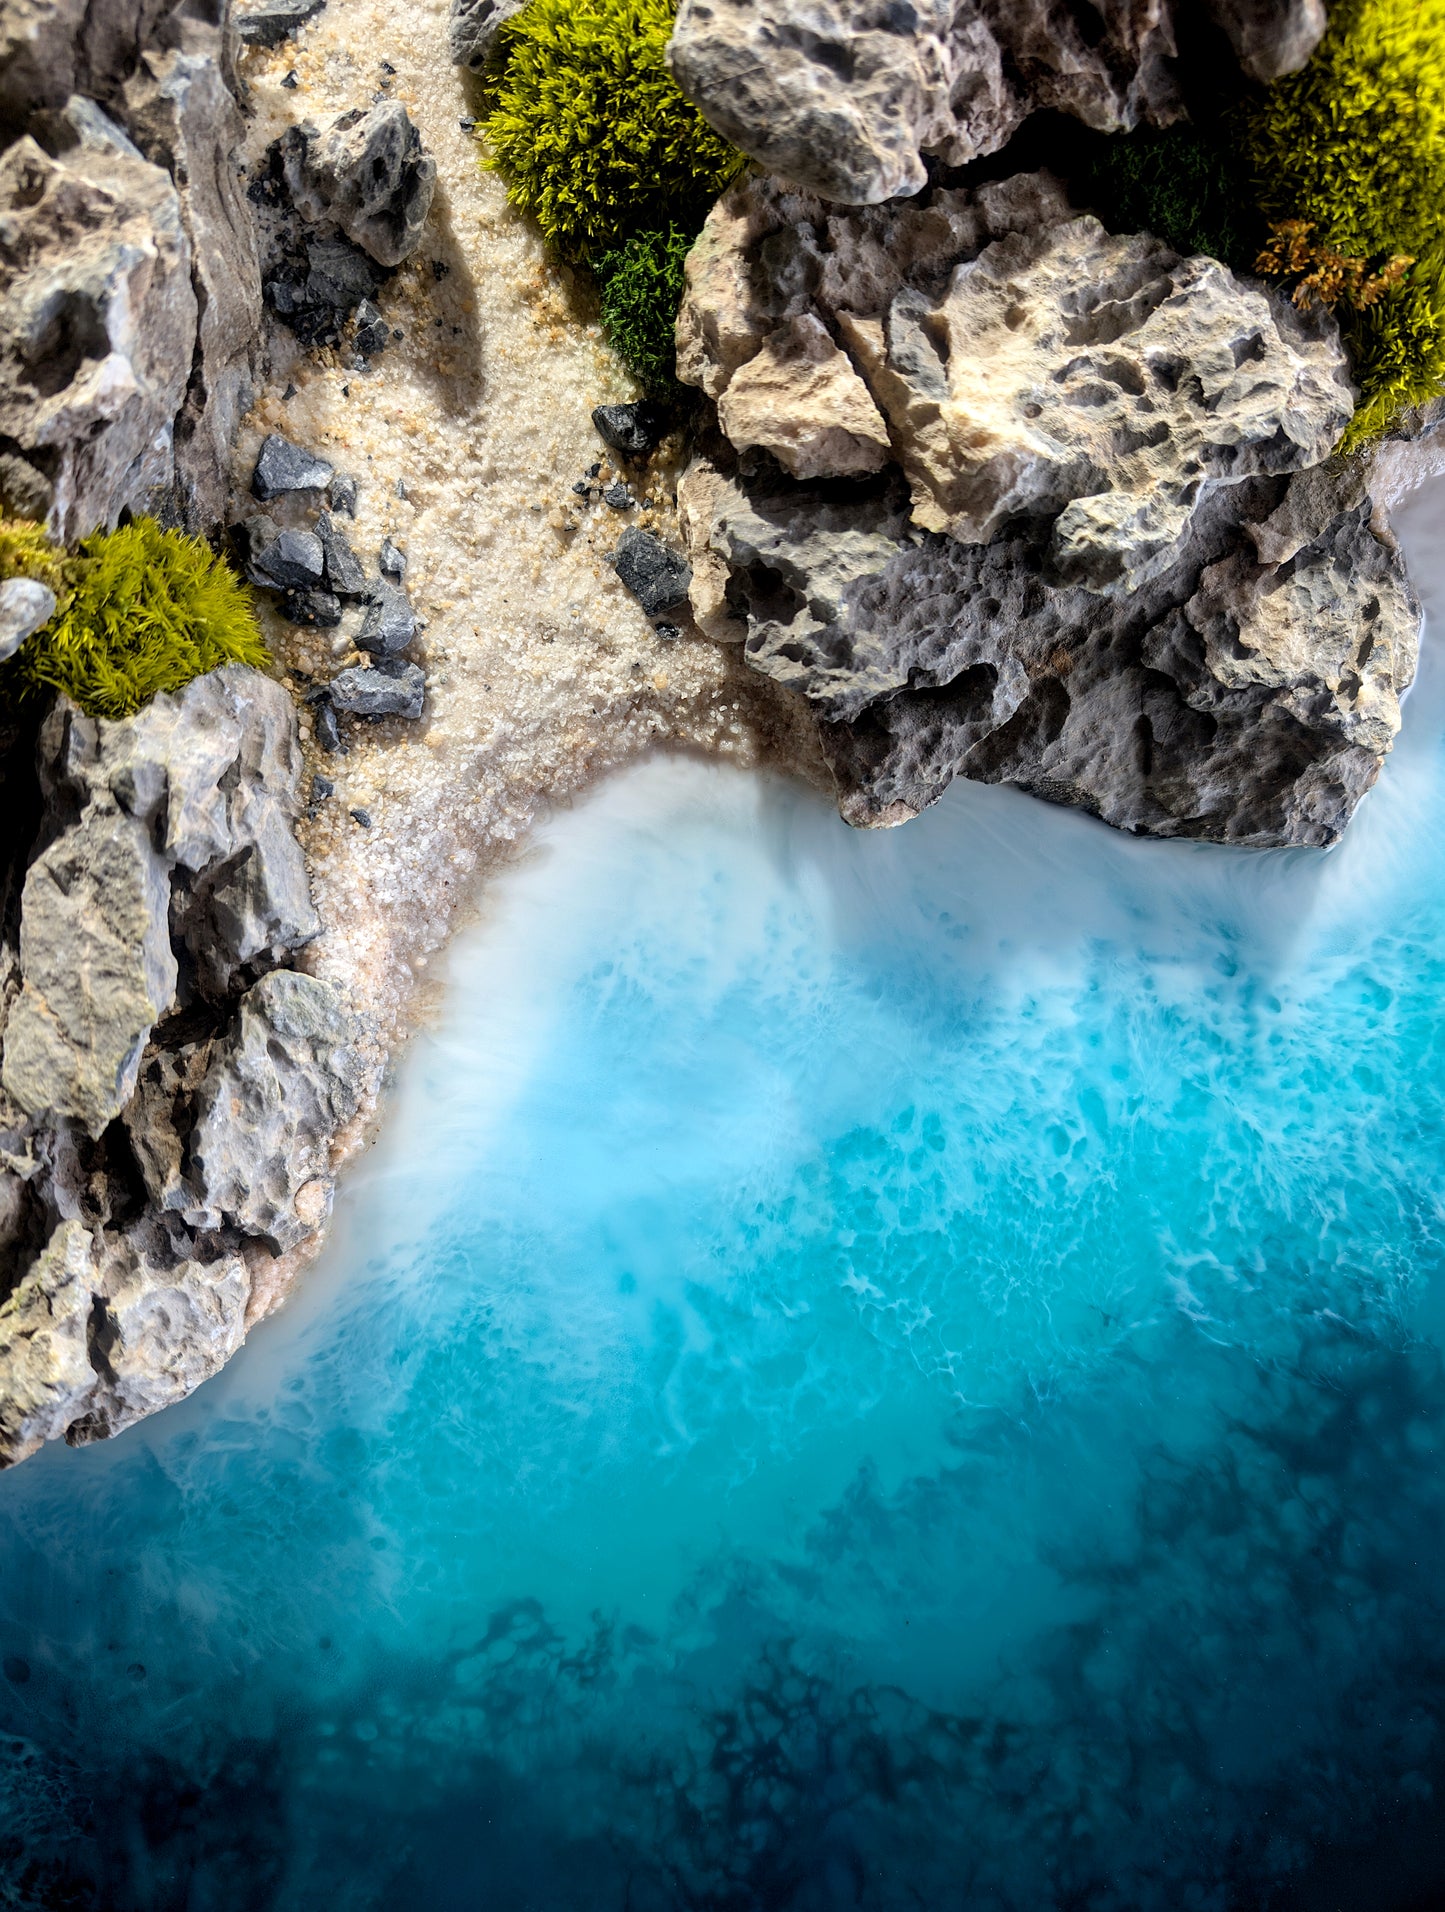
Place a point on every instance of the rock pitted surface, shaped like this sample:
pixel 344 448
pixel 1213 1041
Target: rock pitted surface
pixel 849 98
pixel 129 286
pixel 1105 559
pixel 368 174
pixel 168 1094
pixel 474 27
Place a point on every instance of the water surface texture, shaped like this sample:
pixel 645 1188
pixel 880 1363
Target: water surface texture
pixel 867 1371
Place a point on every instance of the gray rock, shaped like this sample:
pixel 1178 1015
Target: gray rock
pixel 397 692
pixel 344 573
pixel 655 575
pixel 282 467
pixel 473 29
pixel 97 319
pixel 1016 359
pixel 372 334
pixel 390 622
pixel 393 562
pixel 634 430
pixel 1246 694
pixel 328 731
pixel 370 174
pixel 25 606
pixel 291 561
pixel 269 22
pixel 45 1374
pixel 341 495
pixel 183 116
pixel 849 98
pixel 271 1102
pixel 316 609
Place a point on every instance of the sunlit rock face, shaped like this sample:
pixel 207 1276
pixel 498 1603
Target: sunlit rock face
pixel 850 97
pixel 1103 556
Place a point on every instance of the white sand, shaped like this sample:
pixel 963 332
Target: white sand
pixel 542 671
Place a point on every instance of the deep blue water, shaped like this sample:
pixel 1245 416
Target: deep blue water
pixel 889 1371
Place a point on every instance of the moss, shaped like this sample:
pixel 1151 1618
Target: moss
pixel 642 285
pixel 1181 184
pixel 1353 147
pixel 141 610
pixel 591 132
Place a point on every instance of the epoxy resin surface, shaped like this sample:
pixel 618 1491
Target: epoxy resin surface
pixel 896 1370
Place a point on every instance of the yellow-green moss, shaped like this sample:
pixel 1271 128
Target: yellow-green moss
pixel 591 132
pixel 140 610
pixel 1355 147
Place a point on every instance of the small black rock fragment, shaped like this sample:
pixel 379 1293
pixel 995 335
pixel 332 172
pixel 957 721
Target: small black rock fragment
pixel 344 573
pixel 619 497
pixel 582 488
pixel 341 494
pixel 321 788
pixel 390 622
pixel 669 633
pixel 393 562
pixel 363 817
pixel 318 609
pixel 328 731
pixel 291 82
pixel 395 691
pixel 439 268
pixel 634 430
pixel 291 561
pixel 372 335
pixel 387 67
pixel 656 576
pixel 274 20
pixel 283 467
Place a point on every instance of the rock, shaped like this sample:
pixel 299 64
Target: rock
pixel 1020 361
pixel 25 606
pixel 344 573
pixel 473 29
pixel 315 609
pixel 321 788
pixel 381 692
pixel 274 1096
pixel 370 175
pixel 656 576
pixel 328 731
pixel 183 116
pixel 269 22
pixel 393 562
pixel 1271 37
pixel 617 497
pixel 372 334
pixel 1247 693
pixel 283 467
pixel 390 622
pixel 319 284
pixel 341 495
pixel 291 561
pixel 98 970
pixel 97 319
pixel 635 430
pixel 45 1375
pixel 850 98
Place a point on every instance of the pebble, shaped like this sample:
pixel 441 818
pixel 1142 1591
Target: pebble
pixel 372 334
pixel 619 497
pixel 657 576
pixel 634 429
pixel 328 731
pixel 318 609
pixel 390 622
pixel 341 495
pixel 363 817
pixel 344 571
pixel 291 561
pixel 321 788
pixel 283 467
pixel 391 689
pixel 393 562
pixel 274 20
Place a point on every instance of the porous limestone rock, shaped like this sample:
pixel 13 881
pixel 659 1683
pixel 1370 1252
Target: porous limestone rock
pixel 370 175
pixel 45 1371
pixel 97 317
pixel 473 28
pixel 1015 357
pixel 25 605
pixel 174 830
pixel 848 98
pixel 1246 693
pixel 268 1108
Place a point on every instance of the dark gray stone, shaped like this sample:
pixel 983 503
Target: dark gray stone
pixel 657 576
pixel 634 430
pixel 291 561
pixel 380 693
pixel 393 562
pixel 618 497
pixel 319 609
pixel 372 334
pixel 344 572
pixel 283 467
pixel 328 731
pixel 273 21
pixel 321 788
pixel 341 495
pixel 369 174
pixel 390 622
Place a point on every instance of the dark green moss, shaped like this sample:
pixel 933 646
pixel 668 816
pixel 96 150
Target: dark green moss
pixel 1180 183
pixel 641 285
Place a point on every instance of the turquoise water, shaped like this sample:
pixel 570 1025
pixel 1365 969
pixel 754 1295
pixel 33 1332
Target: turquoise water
pixel 886 1371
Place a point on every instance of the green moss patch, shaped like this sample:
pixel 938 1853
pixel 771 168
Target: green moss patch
pixel 642 285
pixel 140 610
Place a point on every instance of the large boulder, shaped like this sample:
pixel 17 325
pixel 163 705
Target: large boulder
pixel 97 320
pixel 850 98
pixel 1013 356
pixel 1247 693
pixel 173 837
